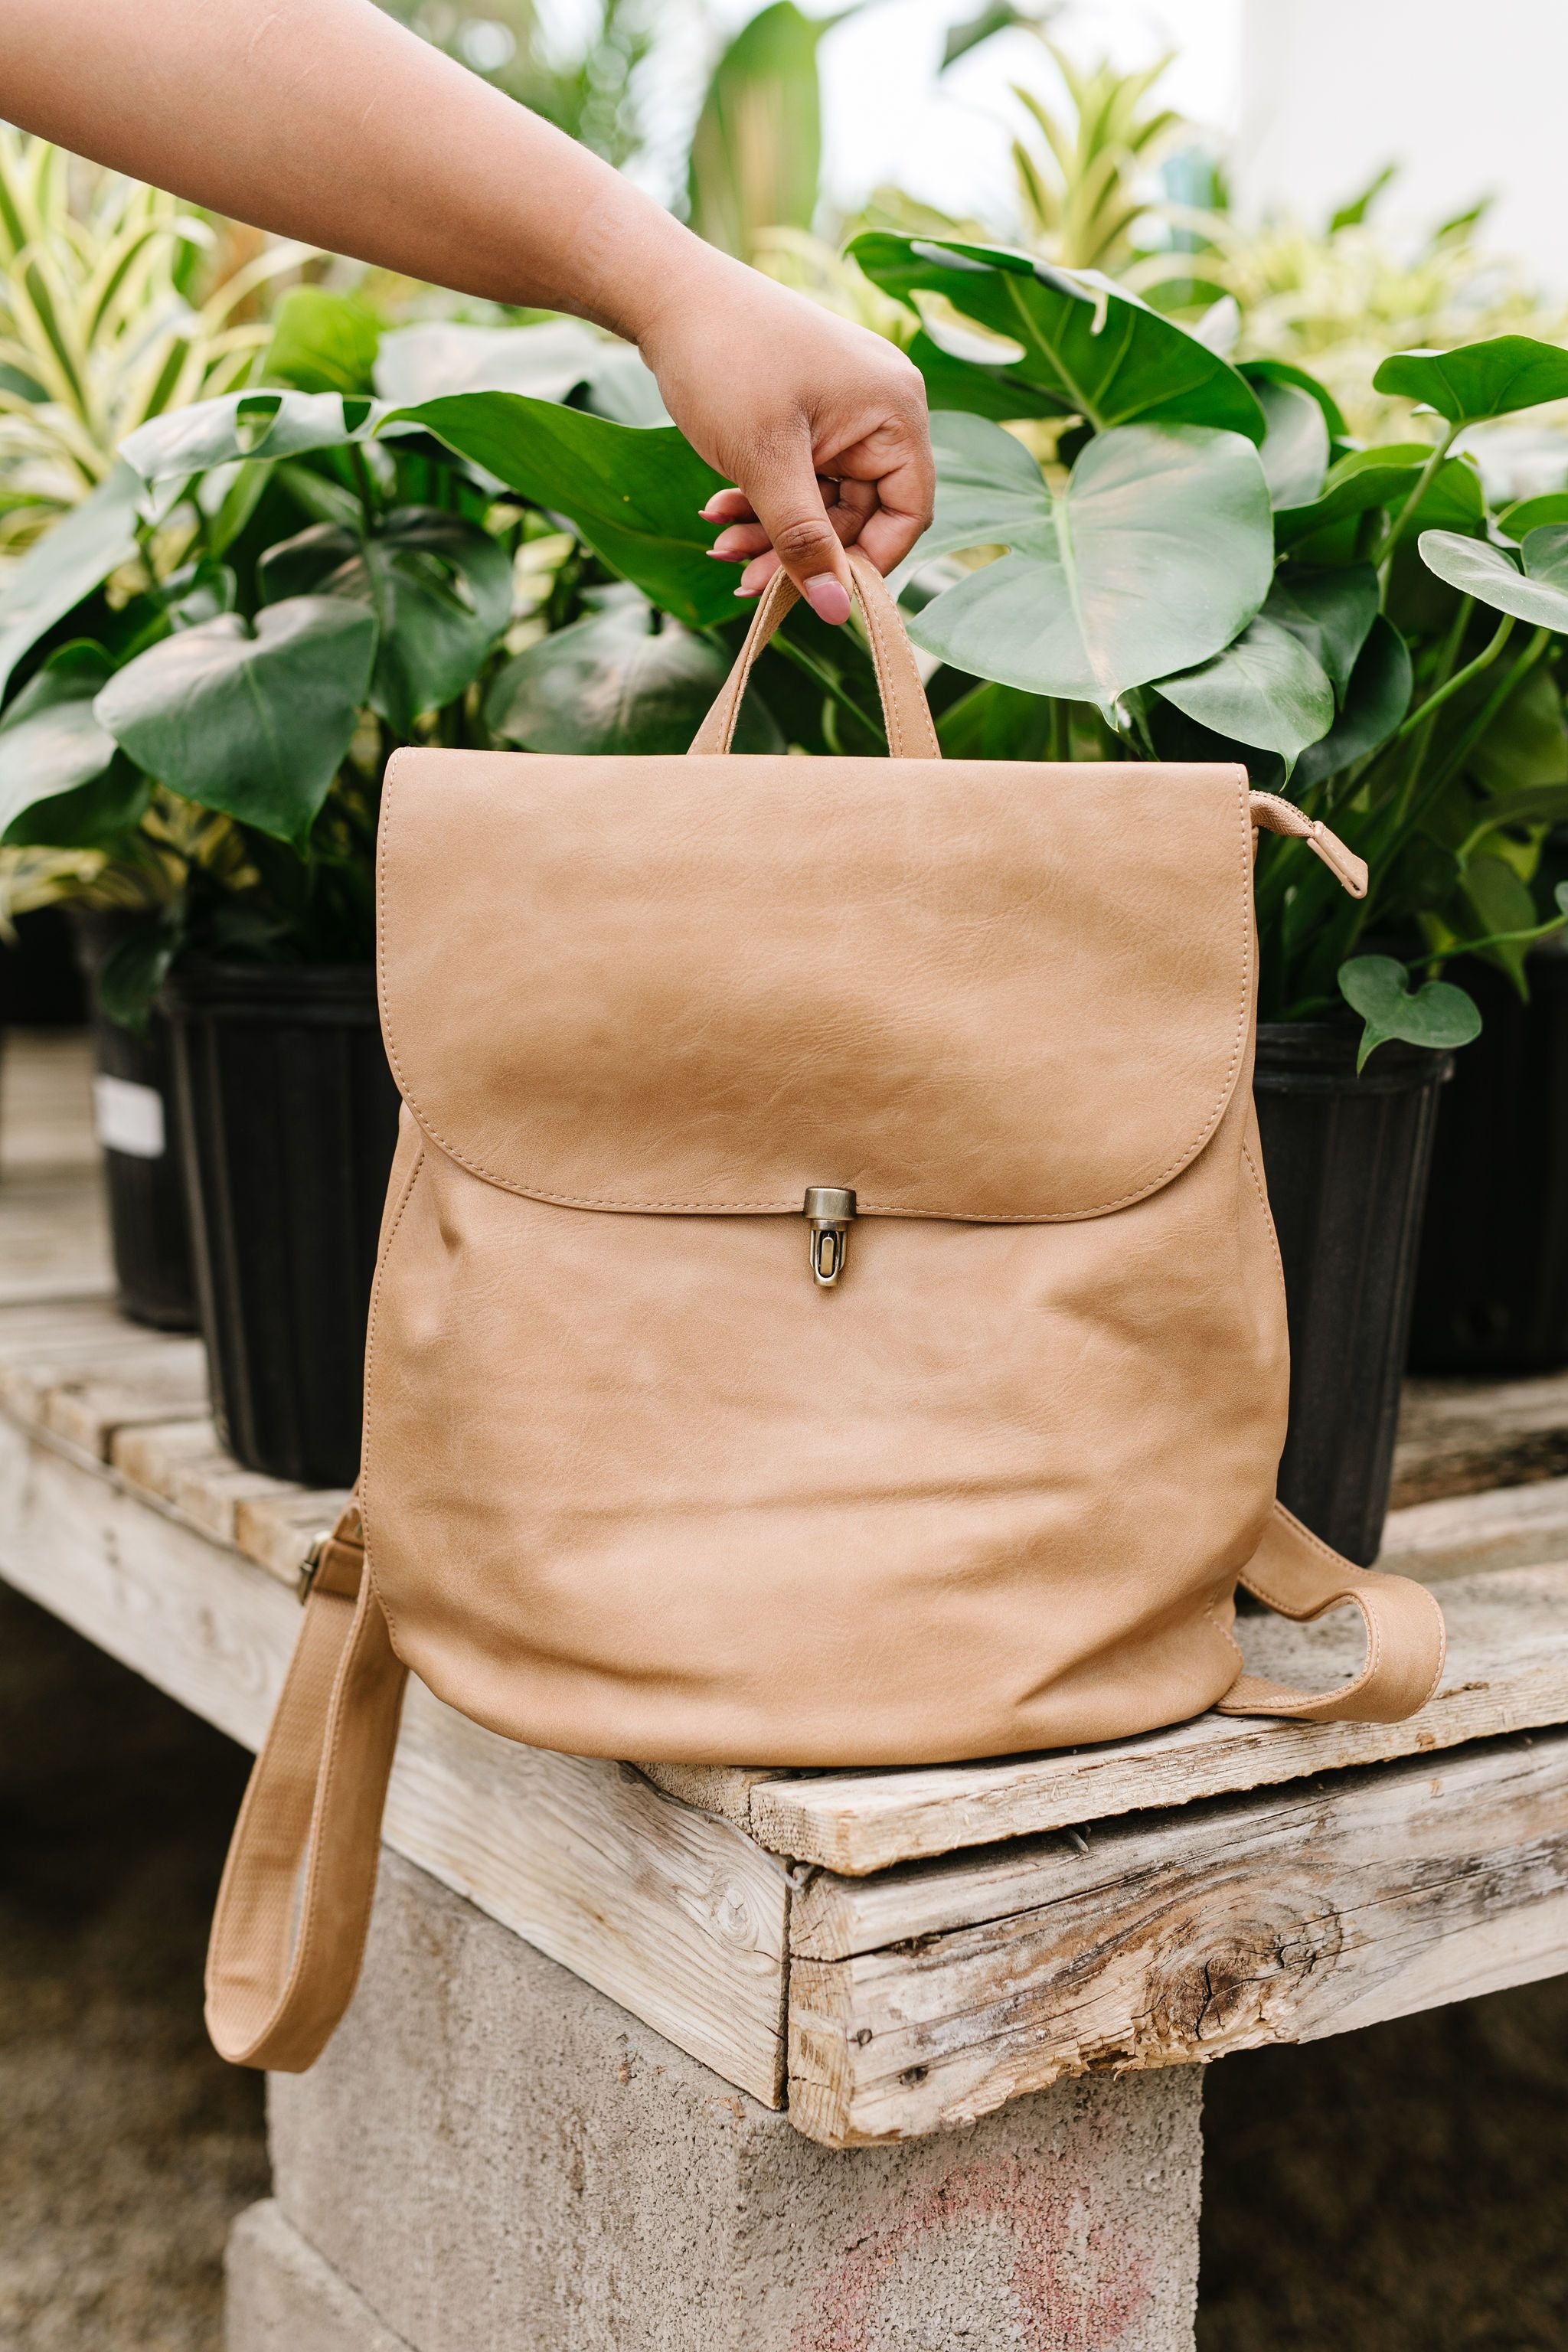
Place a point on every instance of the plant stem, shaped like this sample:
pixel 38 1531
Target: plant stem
pixel 1440 956
pixel 821 675
pixel 1061 731
pixel 1422 484
pixel 1458 753
pixel 1423 713
pixel 363 482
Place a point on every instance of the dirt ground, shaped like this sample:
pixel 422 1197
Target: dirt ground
pixel 1403 2189
pixel 125 2147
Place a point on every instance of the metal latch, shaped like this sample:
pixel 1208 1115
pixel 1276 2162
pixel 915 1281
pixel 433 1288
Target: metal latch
pixel 829 1213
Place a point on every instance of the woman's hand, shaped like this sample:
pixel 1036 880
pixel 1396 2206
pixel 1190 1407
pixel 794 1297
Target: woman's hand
pixel 820 425
pixel 326 121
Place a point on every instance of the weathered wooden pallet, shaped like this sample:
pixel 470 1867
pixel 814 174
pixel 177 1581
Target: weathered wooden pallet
pixel 919 1946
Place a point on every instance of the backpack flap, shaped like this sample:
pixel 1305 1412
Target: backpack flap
pixel 979 990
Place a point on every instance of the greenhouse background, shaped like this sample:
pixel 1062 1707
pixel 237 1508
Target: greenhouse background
pixel 1244 325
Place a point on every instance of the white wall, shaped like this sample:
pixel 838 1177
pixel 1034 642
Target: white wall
pixel 1468 97
pixel 889 118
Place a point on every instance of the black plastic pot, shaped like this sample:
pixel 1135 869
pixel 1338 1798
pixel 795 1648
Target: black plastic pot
pixel 1491 1283
pixel 40 980
pixel 138 1122
pixel 291 1117
pixel 1347 1161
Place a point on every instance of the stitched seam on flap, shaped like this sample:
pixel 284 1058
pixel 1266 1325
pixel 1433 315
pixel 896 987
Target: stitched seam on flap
pixel 869 1207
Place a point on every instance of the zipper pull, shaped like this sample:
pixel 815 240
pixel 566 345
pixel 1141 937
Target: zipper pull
pixel 829 1211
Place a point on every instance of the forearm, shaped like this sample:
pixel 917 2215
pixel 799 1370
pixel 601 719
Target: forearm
pixel 323 120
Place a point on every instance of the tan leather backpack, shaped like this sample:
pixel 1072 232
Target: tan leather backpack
pixel 827 1311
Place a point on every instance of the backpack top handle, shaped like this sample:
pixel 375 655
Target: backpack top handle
pixel 911 734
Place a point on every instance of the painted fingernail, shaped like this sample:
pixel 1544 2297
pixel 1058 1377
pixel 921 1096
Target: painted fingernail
pixel 829 598
pixel 724 554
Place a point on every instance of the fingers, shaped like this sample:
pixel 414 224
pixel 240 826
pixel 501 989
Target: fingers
pixel 791 510
pixel 896 466
pixel 878 497
pixel 727 505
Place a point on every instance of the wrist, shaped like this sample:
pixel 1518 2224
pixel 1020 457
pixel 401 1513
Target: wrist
pixel 636 267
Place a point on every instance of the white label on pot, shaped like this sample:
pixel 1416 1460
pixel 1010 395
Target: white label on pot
pixel 129 1117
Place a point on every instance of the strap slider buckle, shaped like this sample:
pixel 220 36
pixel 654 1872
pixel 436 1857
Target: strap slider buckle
pixel 309 1567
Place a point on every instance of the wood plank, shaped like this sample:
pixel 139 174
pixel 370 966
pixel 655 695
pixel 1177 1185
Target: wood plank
pixel 1507 1670
pixel 1456 1436
pixel 182 1464
pixel 675 1915
pixel 46 1101
pixel 95 1346
pixel 276 1530
pixel 1465 1535
pixel 57 1235
pixel 150 1383
pixel 1172 1939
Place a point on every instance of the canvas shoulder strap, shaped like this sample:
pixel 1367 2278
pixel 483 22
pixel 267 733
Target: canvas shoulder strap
pixel 285 1957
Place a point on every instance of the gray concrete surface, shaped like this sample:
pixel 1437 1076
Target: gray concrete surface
pixel 498 2159
pixel 282 2297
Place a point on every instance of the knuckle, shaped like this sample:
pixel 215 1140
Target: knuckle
pixel 800 537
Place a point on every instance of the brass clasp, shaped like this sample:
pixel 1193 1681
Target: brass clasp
pixel 829 1211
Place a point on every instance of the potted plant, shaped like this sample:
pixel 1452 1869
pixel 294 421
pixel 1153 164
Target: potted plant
pixel 1194 563
pixel 209 666
pixel 1491 1280
pixel 1197 562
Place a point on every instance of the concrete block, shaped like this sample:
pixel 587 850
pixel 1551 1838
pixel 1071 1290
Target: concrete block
pixel 498 2159
pixel 282 2297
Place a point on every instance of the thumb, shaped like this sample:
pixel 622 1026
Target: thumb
pixel 787 502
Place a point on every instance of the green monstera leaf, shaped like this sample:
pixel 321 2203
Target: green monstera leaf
pixel 440 589
pixel 1331 611
pixel 1534 588
pixel 1369 478
pixel 251 723
pixel 1156 554
pixel 63 782
pixel 322 342
pixel 240 424
pixel 439 356
pixel 1092 349
pixel 633 492
pixel 66 564
pixel 1258 373
pixel 1296 444
pixel 613 682
pixel 996 723
pixel 1439 1014
pixel 1265 689
pixel 50 741
pixel 1375 700
pixel 1527 514
pixel 1478 380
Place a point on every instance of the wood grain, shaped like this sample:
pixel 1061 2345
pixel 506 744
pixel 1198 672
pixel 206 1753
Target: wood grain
pixel 57 1235
pixel 1174 1939
pixel 1465 1535
pixel 677 1916
pixel 1458 1436
pixel 1507 1669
